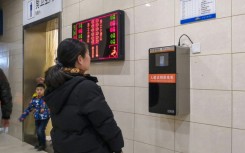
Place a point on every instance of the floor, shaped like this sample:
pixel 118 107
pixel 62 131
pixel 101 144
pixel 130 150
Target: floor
pixel 30 139
pixel 9 144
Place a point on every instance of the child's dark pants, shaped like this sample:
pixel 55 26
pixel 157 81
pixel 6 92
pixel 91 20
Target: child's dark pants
pixel 40 127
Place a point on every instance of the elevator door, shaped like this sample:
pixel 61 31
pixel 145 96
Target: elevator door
pixel 40 44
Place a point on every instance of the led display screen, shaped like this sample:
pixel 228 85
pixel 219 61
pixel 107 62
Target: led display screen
pixel 104 35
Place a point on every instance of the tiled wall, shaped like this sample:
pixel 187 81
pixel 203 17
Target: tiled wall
pixel 216 123
pixel 11 57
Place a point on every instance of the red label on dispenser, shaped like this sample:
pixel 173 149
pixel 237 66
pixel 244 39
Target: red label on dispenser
pixel 162 78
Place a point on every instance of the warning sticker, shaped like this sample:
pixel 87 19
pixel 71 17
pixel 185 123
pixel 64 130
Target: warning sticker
pixel 162 78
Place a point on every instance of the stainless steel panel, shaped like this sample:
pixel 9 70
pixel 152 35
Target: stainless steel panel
pixel 183 80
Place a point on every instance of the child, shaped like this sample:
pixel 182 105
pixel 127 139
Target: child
pixel 39 80
pixel 41 115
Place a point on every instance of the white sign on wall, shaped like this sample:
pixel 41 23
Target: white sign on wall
pixel 34 10
pixel 196 10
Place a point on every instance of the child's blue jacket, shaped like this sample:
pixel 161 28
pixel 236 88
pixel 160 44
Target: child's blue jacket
pixel 41 109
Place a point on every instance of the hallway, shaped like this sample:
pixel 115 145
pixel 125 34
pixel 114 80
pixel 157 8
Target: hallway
pixel 9 144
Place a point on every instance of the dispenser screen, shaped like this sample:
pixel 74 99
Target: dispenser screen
pixel 104 35
pixel 161 59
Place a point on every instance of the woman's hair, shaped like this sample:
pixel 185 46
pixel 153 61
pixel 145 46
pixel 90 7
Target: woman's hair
pixel 67 55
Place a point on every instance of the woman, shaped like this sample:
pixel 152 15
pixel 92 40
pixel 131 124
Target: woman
pixel 82 121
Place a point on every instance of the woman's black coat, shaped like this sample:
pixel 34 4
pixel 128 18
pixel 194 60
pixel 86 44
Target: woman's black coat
pixel 5 96
pixel 82 121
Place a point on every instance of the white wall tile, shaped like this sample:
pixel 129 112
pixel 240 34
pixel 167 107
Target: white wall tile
pixel 120 98
pixel 157 38
pixel 111 5
pixel 5 62
pixel 16 52
pixel 214 36
pixel 238 110
pixel 5 65
pixel 160 14
pixel 145 148
pixel 223 9
pixel 211 72
pixel 155 131
pixel 17 90
pixel 15 131
pixel 14 7
pixel 5 2
pixel 129 47
pixel 16 112
pixel 70 15
pixel 18 105
pixel 211 107
pixel 141 73
pixel 199 138
pixel 141 101
pixel 128 146
pixel 16 32
pixel 90 8
pixel 119 73
pixel 96 69
pixel 140 2
pixel 67 3
pixel 16 61
pixel 129 21
pixel 238 141
pixel 238 7
pixel 4 47
pixel 17 75
pixel 238 73
pixel 126 122
pixel 66 32
pixel 13 21
pixel 15 44
pixel 238 33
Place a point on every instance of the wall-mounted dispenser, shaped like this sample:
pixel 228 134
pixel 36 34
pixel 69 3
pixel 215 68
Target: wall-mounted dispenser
pixel 169 80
